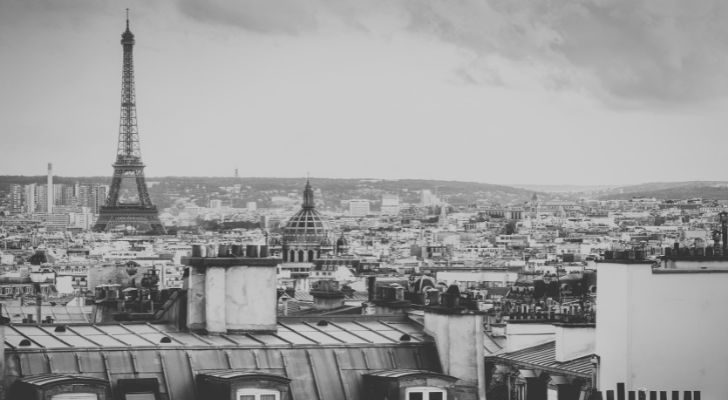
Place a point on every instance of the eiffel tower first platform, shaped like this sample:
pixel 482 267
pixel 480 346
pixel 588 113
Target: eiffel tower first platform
pixel 141 214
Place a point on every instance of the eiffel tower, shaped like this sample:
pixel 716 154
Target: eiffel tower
pixel 141 214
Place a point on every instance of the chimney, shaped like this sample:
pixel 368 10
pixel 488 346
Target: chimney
pixel 724 231
pixel 371 282
pixel 327 295
pixel 230 294
pixel 49 197
pixel 458 334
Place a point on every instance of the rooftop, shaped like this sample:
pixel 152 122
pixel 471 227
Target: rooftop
pixel 543 356
pixel 292 331
pixel 324 360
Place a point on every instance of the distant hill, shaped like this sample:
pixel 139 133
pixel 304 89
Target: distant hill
pixel 164 190
pixel 714 190
pixel 564 188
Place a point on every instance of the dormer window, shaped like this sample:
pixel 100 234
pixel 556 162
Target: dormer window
pixel 60 387
pixel 243 385
pixel 258 394
pixel 425 393
pixel 407 384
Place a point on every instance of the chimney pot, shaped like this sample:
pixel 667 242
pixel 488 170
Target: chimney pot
pixel 251 251
pixel 212 250
pixel 223 250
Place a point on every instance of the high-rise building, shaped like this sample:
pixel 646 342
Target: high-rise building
pixel 62 195
pixel 29 198
pixel 16 198
pixel 390 204
pixel 41 198
pixel 92 196
pixel 100 193
pixel 428 199
pixel 359 208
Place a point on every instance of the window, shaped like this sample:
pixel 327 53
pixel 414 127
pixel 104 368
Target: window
pixel 258 394
pixel 75 396
pixel 139 396
pixel 425 393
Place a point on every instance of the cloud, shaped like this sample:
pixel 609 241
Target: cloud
pixel 629 51
pixel 262 16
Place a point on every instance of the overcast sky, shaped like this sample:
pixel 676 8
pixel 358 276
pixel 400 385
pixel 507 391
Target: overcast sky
pixel 497 91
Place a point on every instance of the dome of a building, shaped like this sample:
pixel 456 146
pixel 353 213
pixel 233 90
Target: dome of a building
pixel 342 241
pixel 306 225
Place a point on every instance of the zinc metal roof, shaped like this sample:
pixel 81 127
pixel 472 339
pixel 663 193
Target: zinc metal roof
pixel 543 356
pixel 402 373
pixel 291 332
pixel 236 373
pixel 493 344
pixel 50 379
pixel 69 313
pixel 325 361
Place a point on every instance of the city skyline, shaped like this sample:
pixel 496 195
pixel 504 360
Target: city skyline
pixel 376 90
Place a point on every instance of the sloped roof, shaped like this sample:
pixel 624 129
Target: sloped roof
pixel 70 313
pixel 227 374
pixel 402 373
pixel 543 356
pixel 493 344
pixel 323 360
pixel 333 330
pixel 56 379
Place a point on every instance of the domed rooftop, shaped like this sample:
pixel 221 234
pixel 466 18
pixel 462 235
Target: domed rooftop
pixel 342 241
pixel 306 225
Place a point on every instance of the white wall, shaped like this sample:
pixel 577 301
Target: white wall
pixel 527 334
pixel 64 284
pixel 459 341
pixel 573 341
pixel 503 277
pixel 662 331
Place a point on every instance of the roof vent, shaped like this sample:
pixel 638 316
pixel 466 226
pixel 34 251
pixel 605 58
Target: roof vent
pixel 24 343
pixel 165 339
pixel 405 338
pixel 60 328
pixel 322 323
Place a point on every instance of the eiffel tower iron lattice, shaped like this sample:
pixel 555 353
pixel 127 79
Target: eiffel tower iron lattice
pixel 141 214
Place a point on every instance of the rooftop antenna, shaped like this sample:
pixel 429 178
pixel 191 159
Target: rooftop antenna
pixel 127 19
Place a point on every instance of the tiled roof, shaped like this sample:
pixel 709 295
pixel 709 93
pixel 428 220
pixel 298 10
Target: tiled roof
pixel 323 360
pixel 543 356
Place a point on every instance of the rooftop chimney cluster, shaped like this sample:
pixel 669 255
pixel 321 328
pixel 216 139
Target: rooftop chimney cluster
pixel 628 255
pixel 231 288
pixel 214 250
pixel 571 313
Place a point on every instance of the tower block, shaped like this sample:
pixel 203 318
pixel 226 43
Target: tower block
pixel 140 213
